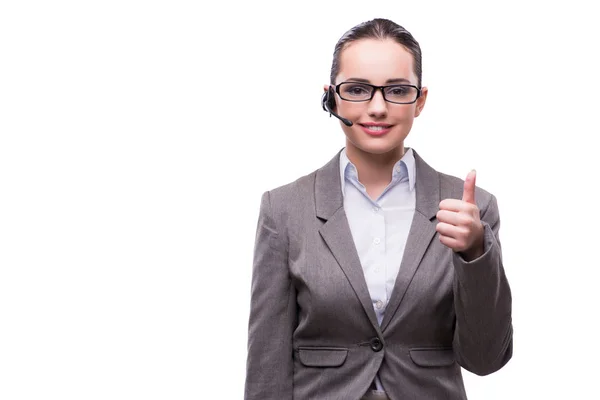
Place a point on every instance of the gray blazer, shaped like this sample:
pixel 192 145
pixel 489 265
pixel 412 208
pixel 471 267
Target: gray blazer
pixel 313 333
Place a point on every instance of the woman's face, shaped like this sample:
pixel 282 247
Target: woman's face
pixel 378 62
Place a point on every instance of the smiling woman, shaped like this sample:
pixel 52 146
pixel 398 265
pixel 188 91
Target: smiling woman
pixel 385 111
pixel 376 276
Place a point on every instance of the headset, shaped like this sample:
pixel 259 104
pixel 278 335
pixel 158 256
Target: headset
pixel 328 103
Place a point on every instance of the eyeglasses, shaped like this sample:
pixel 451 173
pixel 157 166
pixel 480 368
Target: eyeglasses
pixel 358 91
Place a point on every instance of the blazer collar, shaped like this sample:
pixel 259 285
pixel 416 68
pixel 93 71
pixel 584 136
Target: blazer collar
pixel 328 193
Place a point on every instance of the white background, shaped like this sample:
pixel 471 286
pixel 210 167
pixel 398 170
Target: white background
pixel 136 138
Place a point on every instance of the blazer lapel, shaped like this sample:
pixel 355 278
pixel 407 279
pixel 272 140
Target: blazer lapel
pixel 336 232
pixel 421 232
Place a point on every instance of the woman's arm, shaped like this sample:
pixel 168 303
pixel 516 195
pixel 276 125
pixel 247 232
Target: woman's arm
pixel 483 303
pixel 269 367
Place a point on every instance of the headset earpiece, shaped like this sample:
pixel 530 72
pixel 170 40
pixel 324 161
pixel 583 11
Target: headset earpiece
pixel 328 100
pixel 324 99
pixel 331 98
pixel 328 103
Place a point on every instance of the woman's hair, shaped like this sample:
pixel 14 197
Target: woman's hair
pixel 378 28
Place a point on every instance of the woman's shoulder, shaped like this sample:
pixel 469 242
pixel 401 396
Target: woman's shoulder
pixel 290 203
pixel 452 186
pixel 304 186
pixel 291 190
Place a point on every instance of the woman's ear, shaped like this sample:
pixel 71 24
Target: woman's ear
pixel 421 101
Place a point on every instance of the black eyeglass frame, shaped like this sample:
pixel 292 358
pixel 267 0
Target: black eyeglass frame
pixel 337 90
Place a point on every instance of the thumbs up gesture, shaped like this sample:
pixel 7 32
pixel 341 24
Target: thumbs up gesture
pixel 459 225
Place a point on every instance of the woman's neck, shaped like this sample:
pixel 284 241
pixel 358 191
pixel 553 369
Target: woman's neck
pixel 374 169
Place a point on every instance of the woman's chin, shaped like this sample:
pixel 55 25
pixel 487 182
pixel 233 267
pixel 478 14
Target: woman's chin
pixel 379 146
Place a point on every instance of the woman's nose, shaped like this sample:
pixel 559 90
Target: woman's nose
pixel 377 105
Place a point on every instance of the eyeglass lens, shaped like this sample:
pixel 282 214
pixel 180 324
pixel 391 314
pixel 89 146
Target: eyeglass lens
pixel 361 92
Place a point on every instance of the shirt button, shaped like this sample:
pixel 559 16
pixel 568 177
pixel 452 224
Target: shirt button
pixel 377 241
pixel 379 304
pixel 375 209
pixel 398 168
pixel 376 269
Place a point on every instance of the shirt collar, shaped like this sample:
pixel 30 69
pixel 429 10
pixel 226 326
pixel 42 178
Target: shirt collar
pixel 403 169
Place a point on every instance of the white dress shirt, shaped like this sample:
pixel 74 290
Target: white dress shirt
pixel 380 227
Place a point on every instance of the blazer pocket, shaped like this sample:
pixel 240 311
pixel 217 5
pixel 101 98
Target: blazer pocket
pixel 322 356
pixel 432 357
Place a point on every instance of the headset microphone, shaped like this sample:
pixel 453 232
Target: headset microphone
pixel 327 107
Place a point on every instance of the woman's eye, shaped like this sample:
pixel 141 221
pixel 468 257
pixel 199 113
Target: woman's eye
pixel 398 91
pixel 357 90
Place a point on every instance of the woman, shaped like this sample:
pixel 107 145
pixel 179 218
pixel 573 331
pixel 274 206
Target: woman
pixel 375 276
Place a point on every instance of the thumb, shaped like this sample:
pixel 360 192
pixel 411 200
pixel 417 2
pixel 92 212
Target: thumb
pixel 469 188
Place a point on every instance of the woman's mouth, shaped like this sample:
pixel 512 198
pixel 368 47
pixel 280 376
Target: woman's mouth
pixel 376 129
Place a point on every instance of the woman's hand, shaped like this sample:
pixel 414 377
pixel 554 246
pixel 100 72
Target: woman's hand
pixel 459 225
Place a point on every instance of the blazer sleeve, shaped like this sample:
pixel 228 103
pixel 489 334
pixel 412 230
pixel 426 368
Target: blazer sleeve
pixel 483 303
pixel 269 365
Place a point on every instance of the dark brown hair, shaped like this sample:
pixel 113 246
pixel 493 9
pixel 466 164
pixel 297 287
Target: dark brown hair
pixel 378 28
